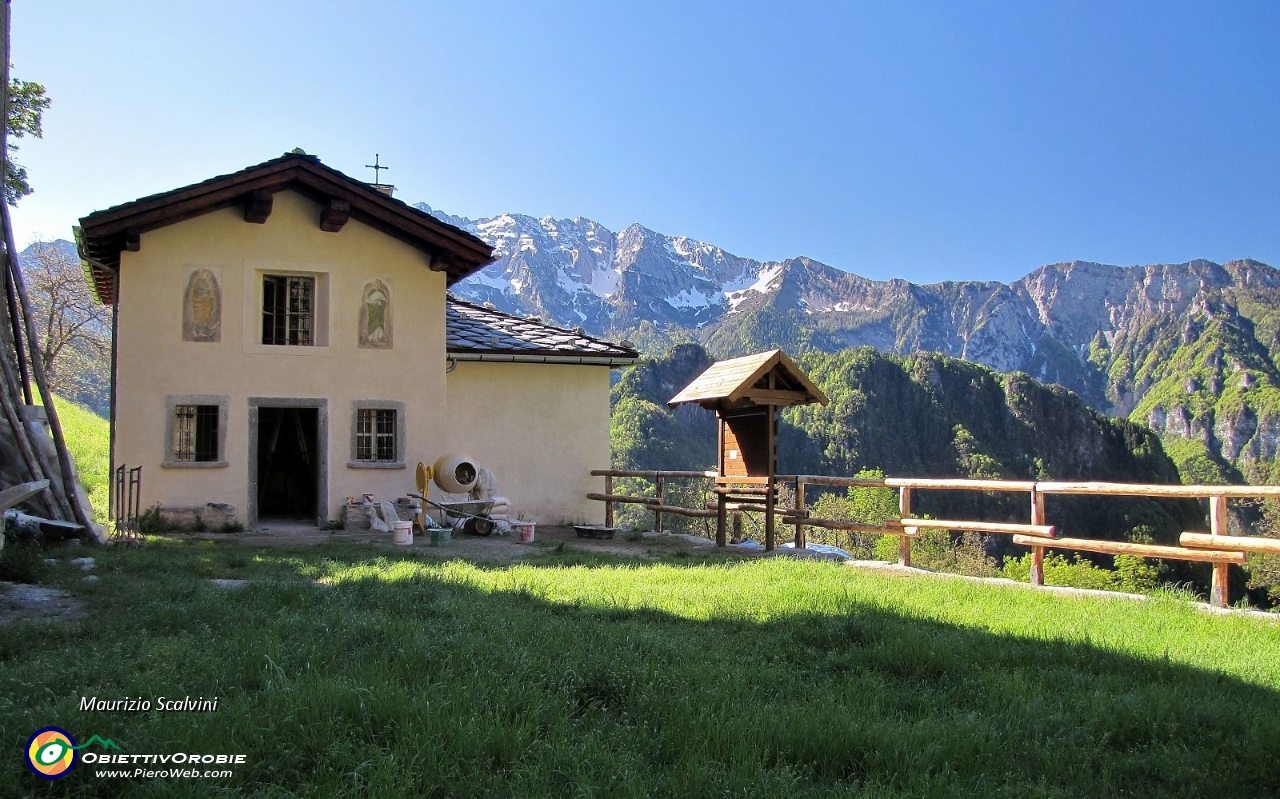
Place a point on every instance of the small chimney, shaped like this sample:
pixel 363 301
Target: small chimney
pixel 385 188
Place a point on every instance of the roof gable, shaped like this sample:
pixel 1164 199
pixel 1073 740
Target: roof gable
pixel 766 378
pixel 103 235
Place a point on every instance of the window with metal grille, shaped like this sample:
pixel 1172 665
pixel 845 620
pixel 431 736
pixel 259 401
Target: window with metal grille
pixel 376 435
pixel 195 433
pixel 288 310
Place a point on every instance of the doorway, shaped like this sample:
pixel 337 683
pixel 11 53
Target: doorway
pixel 289 460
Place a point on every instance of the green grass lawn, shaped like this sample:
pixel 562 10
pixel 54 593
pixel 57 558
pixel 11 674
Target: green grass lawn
pixel 342 672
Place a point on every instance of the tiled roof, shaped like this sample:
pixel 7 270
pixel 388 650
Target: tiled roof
pixel 295 157
pixel 474 329
pixel 104 234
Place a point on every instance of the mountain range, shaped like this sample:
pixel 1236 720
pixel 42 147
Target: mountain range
pixel 1189 349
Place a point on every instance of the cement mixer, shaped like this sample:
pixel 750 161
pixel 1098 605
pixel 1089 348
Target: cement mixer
pixel 455 473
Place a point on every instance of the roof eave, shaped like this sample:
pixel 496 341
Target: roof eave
pixel 101 281
pixel 575 359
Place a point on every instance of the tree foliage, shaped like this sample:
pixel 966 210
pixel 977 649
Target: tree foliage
pixel 73 328
pixel 1264 569
pixel 27 104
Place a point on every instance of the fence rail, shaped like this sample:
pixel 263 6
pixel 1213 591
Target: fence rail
pixel 1215 547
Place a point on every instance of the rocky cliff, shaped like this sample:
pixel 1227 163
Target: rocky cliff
pixel 1190 348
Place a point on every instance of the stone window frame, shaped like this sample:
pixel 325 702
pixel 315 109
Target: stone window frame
pixel 171 403
pixel 401 424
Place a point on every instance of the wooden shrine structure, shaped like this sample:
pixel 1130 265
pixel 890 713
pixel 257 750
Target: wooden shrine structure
pixel 746 394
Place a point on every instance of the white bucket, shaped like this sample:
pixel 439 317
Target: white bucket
pixel 404 533
pixel 523 531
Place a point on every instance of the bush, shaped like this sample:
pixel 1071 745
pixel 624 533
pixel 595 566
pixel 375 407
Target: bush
pixel 22 561
pixel 151 521
pixel 1136 575
pixel 858 504
pixel 936 550
pixel 1073 572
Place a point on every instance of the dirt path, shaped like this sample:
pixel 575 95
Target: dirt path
pixel 20 602
pixel 478 549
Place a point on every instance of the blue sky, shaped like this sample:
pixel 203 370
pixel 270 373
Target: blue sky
pixel 926 141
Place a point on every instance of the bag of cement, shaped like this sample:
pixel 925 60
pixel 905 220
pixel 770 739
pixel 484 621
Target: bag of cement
pixel 486 485
pixel 383 517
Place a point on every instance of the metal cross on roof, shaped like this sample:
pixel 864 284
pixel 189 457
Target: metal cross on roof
pixel 376 167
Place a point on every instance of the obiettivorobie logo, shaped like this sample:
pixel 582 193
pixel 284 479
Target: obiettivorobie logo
pixel 51 751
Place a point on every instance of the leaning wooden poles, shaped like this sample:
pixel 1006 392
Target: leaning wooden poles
pixel 63 503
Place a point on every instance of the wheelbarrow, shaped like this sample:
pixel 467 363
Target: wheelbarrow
pixel 471 516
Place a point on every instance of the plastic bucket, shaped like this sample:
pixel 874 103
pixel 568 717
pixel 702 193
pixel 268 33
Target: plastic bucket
pixel 440 536
pixel 523 531
pixel 404 533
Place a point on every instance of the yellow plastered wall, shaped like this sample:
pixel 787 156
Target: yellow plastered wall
pixel 541 428
pixel 154 363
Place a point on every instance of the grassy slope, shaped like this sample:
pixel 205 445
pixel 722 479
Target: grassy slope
pixel 88 439
pixel 411 677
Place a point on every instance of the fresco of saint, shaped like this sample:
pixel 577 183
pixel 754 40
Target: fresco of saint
pixel 375 316
pixel 202 308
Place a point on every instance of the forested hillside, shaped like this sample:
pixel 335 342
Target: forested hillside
pixel 922 415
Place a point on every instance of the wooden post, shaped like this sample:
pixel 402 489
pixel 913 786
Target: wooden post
pixel 800 541
pixel 608 504
pixel 737 526
pixel 720 520
pixel 1218 592
pixel 662 490
pixel 904 543
pixel 1037 553
pixel 768 514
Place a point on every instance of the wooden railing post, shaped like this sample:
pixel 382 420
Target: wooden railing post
pixel 662 491
pixel 737 526
pixel 1037 552
pixel 1218 592
pixel 608 504
pixel 904 543
pixel 720 520
pixel 772 490
pixel 800 540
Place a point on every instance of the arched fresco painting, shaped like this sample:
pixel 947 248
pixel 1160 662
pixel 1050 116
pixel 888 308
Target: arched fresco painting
pixel 202 308
pixel 375 316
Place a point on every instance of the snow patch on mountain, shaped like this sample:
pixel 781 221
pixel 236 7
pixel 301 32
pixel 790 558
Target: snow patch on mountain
pixel 604 282
pixel 689 298
pixel 485 278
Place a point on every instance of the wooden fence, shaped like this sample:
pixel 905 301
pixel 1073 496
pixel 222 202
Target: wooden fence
pixel 1216 547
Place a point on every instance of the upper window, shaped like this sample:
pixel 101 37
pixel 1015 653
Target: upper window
pixel 288 310
pixel 195 433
